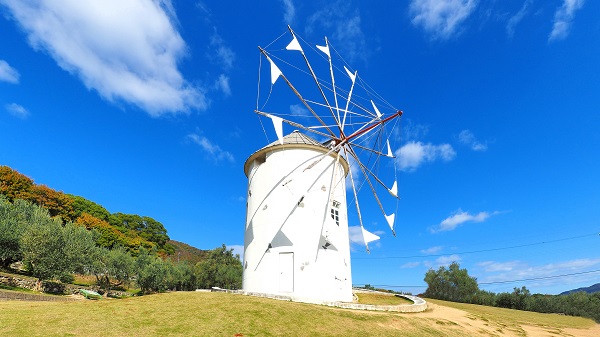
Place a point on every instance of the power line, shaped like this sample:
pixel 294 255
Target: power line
pixel 496 282
pixel 474 251
pixel 542 277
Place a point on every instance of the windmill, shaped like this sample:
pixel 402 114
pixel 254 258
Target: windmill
pixel 297 240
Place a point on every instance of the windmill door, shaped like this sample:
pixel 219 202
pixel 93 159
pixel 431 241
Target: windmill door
pixel 286 272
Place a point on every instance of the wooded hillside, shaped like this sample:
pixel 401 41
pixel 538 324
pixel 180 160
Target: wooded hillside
pixel 130 231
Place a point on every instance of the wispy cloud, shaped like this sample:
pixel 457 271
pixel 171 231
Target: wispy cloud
pixel 467 138
pixel 17 110
pixel 289 11
pixel 408 265
pixel 515 19
pixel 432 250
pixel 343 20
pixel 220 53
pixel 441 18
pixel 493 266
pixel 563 18
pixel 213 150
pixel 125 50
pixel 460 217
pixel 412 131
pixel 446 260
pixel 222 84
pixel 8 73
pixel 299 110
pixel 414 154
pixel 519 270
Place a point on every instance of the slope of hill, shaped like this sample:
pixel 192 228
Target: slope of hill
pixel 591 289
pixel 185 252
pixel 131 231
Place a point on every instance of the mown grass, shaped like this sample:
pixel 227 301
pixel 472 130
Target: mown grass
pixel 381 299
pixel 209 314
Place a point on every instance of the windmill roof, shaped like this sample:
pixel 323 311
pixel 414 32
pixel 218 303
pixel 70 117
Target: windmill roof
pixel 294 139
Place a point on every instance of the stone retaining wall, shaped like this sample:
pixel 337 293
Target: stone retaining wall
pixel 50 287
pixel 419 304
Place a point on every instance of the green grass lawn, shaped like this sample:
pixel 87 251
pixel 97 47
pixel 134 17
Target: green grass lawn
pixel 381 299
pixel 214 314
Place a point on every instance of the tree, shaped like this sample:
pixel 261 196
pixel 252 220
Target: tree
pixel 82 205
pixel 220 269
pixel 57 203
pixel 109 236
pixel 14 220
pixel 116 264
pixel 15 185
pixel 144 226
pixel 452 284
pixel 43 253
pixel 79 248
pixel 151 271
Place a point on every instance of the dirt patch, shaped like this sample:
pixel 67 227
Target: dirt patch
pixel 480 326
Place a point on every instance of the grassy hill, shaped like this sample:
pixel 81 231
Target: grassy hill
pixel 221 314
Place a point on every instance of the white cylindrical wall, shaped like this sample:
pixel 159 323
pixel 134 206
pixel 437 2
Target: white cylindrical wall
pixel 296 239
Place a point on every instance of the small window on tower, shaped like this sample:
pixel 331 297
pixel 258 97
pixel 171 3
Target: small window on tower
pixel 335 215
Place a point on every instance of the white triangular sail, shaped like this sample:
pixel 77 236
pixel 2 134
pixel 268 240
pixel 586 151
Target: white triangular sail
pixel 390 220
pixel 375 107
pixel 275 72
pixel 368 237
pixel 389 148
pixel 350 74
pixel 325 49
pixel 394 190
pixel 294 45
pixel 278 125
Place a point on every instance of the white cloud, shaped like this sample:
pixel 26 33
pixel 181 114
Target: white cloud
pixel 211 149
pixel 222 84
pixel 563 18
pixel 125 50
pixel 414 154
pixel 355 234
pixel 410 265
pixel 289 11
pixel 412 131
pixel 17 110
pixel 8 73
pixel 441 18
pixel 467 138
pixel 344 23
pixel 492 266
pixel 299 110
pixel 517 270
pixel 460 217
pixel 446 260
pixel 432 250
pixel 515 19
pixel 220 52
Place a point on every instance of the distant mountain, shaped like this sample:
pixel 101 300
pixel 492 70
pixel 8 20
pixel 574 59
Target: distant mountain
pixel 185 252
pixel 591 289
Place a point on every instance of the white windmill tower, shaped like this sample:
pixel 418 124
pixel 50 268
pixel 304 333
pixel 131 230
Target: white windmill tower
pixel 297 223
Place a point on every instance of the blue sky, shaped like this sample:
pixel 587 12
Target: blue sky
pixel 147 108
